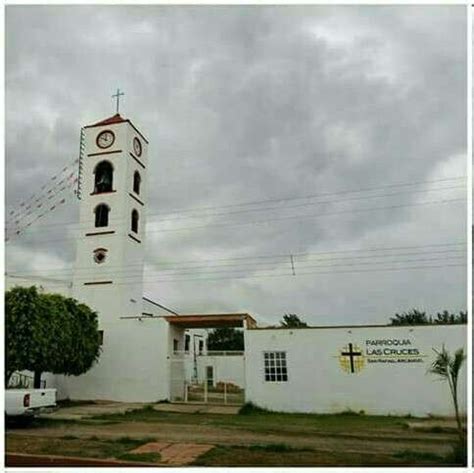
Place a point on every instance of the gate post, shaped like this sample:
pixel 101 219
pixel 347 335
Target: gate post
pixel 205 390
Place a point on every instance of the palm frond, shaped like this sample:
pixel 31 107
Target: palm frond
pixel 441 364
pixel 456 363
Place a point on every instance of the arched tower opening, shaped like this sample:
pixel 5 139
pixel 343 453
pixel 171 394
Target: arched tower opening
pixel 102 215
pixel 135 218
pixel 104 176
pixel 137 180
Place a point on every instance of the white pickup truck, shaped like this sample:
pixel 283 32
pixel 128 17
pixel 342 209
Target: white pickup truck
pixel 28 402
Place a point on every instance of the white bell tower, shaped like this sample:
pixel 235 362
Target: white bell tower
pixel 108 272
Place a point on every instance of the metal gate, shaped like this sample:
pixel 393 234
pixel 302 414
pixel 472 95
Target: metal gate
pixel 212 378
pixel 177 378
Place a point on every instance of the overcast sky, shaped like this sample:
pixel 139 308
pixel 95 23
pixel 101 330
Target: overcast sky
pixel 248 104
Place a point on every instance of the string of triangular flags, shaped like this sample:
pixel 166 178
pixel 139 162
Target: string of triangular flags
pixel 39 198
pixel 42 207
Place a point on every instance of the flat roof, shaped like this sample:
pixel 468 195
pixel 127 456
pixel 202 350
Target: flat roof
pixel 211 320
pixel 319 327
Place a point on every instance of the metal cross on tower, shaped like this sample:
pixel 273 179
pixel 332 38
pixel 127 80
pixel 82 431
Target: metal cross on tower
pixel 117 95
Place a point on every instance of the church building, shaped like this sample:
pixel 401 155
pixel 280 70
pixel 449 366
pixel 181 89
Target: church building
pixel 150 353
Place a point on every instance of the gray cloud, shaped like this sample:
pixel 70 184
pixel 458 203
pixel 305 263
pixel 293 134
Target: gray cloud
pixel 245 103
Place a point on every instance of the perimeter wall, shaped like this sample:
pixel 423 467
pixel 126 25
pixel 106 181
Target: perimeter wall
pixel 388 375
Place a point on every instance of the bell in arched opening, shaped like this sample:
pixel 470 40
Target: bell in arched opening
pixel 103 177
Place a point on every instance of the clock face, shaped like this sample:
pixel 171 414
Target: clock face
pixel 105 139
pixel 137 146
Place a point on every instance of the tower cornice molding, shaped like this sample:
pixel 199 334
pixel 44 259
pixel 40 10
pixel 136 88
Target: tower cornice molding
pixel 105 152
pixel 136 198
pixel 137 160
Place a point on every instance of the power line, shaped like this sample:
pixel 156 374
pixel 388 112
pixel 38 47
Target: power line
pixel 237 267
pixel 276 259
pixel 181 272
pixel 275 219
pixel 407 268
pixel 40 194
pixel 20 230
pixel 404 192
pixel 390 269
pixel 322 194
pixel 309 204
pixel 41 209
pixel 314 253
pixel 304 217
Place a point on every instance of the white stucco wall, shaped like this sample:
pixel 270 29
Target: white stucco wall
pixel 133 366
pixel 317 382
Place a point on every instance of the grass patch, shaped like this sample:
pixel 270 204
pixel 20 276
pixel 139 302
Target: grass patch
pixel 72 403
pixel 133 441
pixel 255 419
pixel 231 456
pixel 69 437
pixel 413 456
pixel 350 412
pixel 98 422
pixel 437 430
pixel 249 408
pixel 40 422
pixel 150 457
pixel 277 447
pixel 458 454
pixel 92 447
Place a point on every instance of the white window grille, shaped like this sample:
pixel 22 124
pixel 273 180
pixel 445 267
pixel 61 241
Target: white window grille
pixel 275 366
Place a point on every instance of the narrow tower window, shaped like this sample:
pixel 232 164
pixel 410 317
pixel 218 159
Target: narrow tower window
pixel 135 221
pixel 104 173
pixel 102 215
pixel 136 182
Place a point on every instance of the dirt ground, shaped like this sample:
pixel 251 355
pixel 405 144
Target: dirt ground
pixel 335 437
pixel 387 441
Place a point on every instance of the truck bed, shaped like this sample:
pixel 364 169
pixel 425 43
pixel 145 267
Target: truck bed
pixel 28 401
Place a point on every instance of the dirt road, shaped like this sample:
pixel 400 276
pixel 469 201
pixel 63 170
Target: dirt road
pixel 385 441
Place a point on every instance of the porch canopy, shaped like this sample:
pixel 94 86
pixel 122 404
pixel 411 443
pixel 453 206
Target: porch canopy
pixel 212 320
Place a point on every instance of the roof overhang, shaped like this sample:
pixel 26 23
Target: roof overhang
pixel 211 320
pixel 115 119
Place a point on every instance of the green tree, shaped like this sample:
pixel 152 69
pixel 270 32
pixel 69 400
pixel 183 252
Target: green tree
pixel 447 367
pixel 48 333
pixel 225 339
pixel 292 321
pixel 446 318
pixel 416 317
pixel 412 317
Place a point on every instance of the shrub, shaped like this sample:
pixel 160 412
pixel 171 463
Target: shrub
pixel 249 408
pixel 458 454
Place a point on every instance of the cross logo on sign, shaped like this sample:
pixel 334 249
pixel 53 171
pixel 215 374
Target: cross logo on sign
pixel 351 359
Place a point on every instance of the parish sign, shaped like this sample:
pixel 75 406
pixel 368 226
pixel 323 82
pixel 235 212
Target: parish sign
pixel 353 359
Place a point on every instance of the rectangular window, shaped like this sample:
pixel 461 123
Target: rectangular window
pixel 275 366
pixel 101 337
pixel 175 345
pixel 187 340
